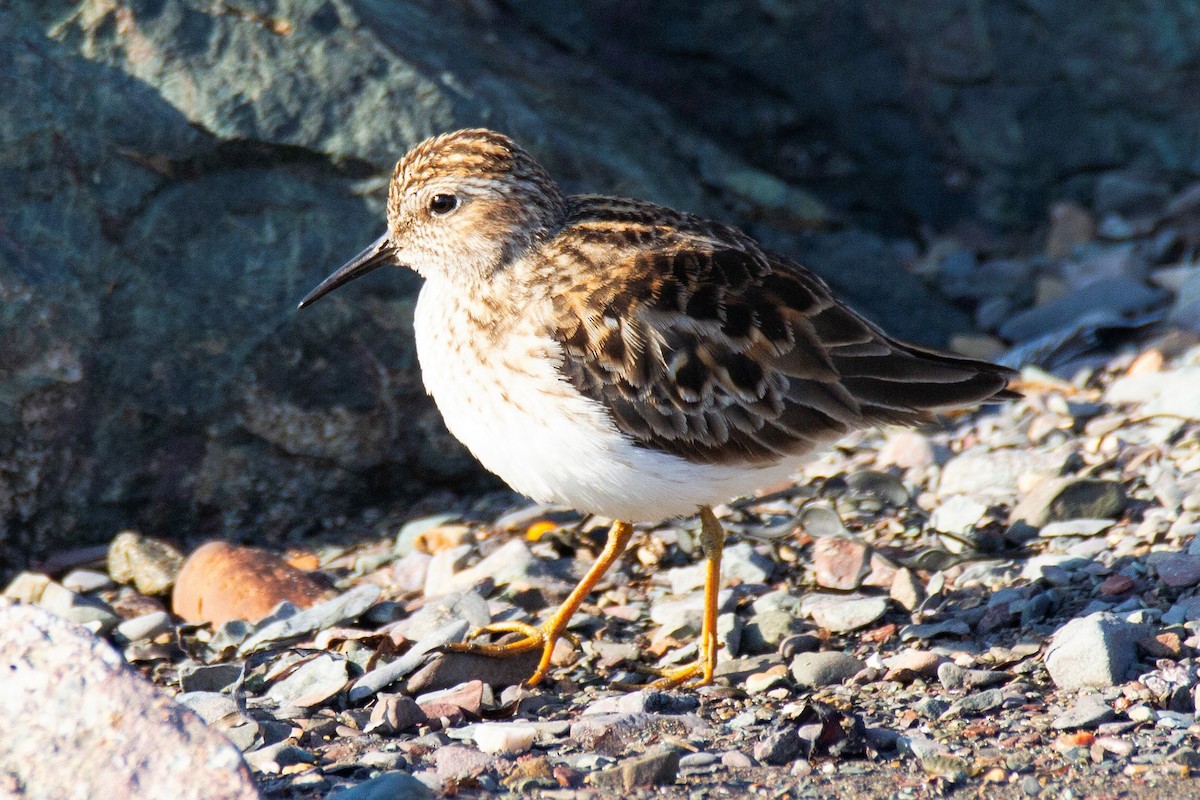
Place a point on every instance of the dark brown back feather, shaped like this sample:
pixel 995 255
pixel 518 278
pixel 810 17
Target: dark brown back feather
pixel 701 344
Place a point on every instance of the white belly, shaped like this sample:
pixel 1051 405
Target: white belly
pixel 528 425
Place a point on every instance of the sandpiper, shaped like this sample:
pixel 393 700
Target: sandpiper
pixel 629 360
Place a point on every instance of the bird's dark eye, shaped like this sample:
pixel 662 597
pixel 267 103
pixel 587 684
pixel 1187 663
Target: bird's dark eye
pixel 443 204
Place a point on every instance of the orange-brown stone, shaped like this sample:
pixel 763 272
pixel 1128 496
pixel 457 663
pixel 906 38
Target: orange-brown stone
pixel 221 581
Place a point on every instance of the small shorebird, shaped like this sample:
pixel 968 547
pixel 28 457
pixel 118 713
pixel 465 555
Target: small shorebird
pixel 629 360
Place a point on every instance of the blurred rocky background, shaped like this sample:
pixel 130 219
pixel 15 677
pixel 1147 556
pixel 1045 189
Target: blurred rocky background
pixel 1011 179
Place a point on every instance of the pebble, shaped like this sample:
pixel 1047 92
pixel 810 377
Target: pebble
pixel 778 747
pixel 451 669
pixel 906 590
pixel 958 514
pixel 459 762
pixel 1088 711
pixel 906 449
pixel 840 614
pixel 510 738
pixel 147 626
pixel 1093 651
pixel 150 565
pixel 658 767
pixel 221 582
pixel 764 632
pixel 394 713
pixel 823 669
pixel 742 563
pixel 1179 571
pixel 1167 393
pixel 91 613
pixel 840 562
pixel 1061 499
pixel 312 683
pixel 82 581
pixel 387 786
pixel 954 677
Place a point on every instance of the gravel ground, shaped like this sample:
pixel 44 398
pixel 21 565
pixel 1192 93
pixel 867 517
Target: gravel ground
pixel 1004 605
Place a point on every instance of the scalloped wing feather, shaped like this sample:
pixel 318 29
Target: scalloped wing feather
pixel 700 344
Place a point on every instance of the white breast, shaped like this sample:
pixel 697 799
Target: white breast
pixel 513 410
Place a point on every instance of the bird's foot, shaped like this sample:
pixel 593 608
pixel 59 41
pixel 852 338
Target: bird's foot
pixel 533 637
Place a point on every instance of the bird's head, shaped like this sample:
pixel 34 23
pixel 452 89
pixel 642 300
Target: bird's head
pixel 460 207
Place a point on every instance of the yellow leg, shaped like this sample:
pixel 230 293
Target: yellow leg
pixel 548 633
pixel 712 542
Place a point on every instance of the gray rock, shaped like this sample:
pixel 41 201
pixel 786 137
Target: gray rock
pixel 459 762
pixel 93 614
pixel 382 676
pixel 1096 651
pixel 645 701
pixel 957 514
pixel 437 613
pixel 1179 571
pixel 125 738
pixel 208 677
pixel 615 733
pixel 930 630
pixel 1116 296
pixel 778 747
pixel 387 786
pixel 146 626
pixel 954 677
pixel 824 669
pixel 450 669
pixel 1088 711
pixel 655 768
pixel 324 615
pixel 763 632
pixel 977 703
pixel 742 563
pixel 839 614
pixel 1171 393
pixel 1063 499
pixel 312 683
pixel 150 565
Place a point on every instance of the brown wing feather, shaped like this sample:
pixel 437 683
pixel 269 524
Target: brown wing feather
pixel 700 344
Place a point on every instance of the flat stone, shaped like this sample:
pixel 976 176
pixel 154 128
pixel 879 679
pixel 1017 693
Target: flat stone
pixel 90 612
pixel 394 713
pixel 824 669
pixel 1117 296
pixel 645 701
pixel 1062 499
pixel 510 738
pixel 907 450
pixel 763 632
pixel 312 683
pixel 221 582
pixel 150 565
pixel 906 589
pixel 1168 393
pixel 208 677
pixel 840 562
pixel 930 630
pixel 447 670
pixel 387 786
pixel 1179 571
pixel 658 767
pixel 741 562
pixel 147 626
pixel 840 614
pixel 460 762
pixel 957 514
pixel 955 677
pixel 778 747
pixel 983 471
pixel 615 733
pixel 1095 651
pixel 125 738
pixel 466 696
pixel 437 613
pixel 1088 711
pixel 976 703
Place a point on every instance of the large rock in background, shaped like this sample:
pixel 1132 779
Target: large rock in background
pixel 912 109
pixel 175 174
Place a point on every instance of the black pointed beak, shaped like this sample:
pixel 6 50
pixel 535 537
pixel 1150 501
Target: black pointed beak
pixel 378 254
